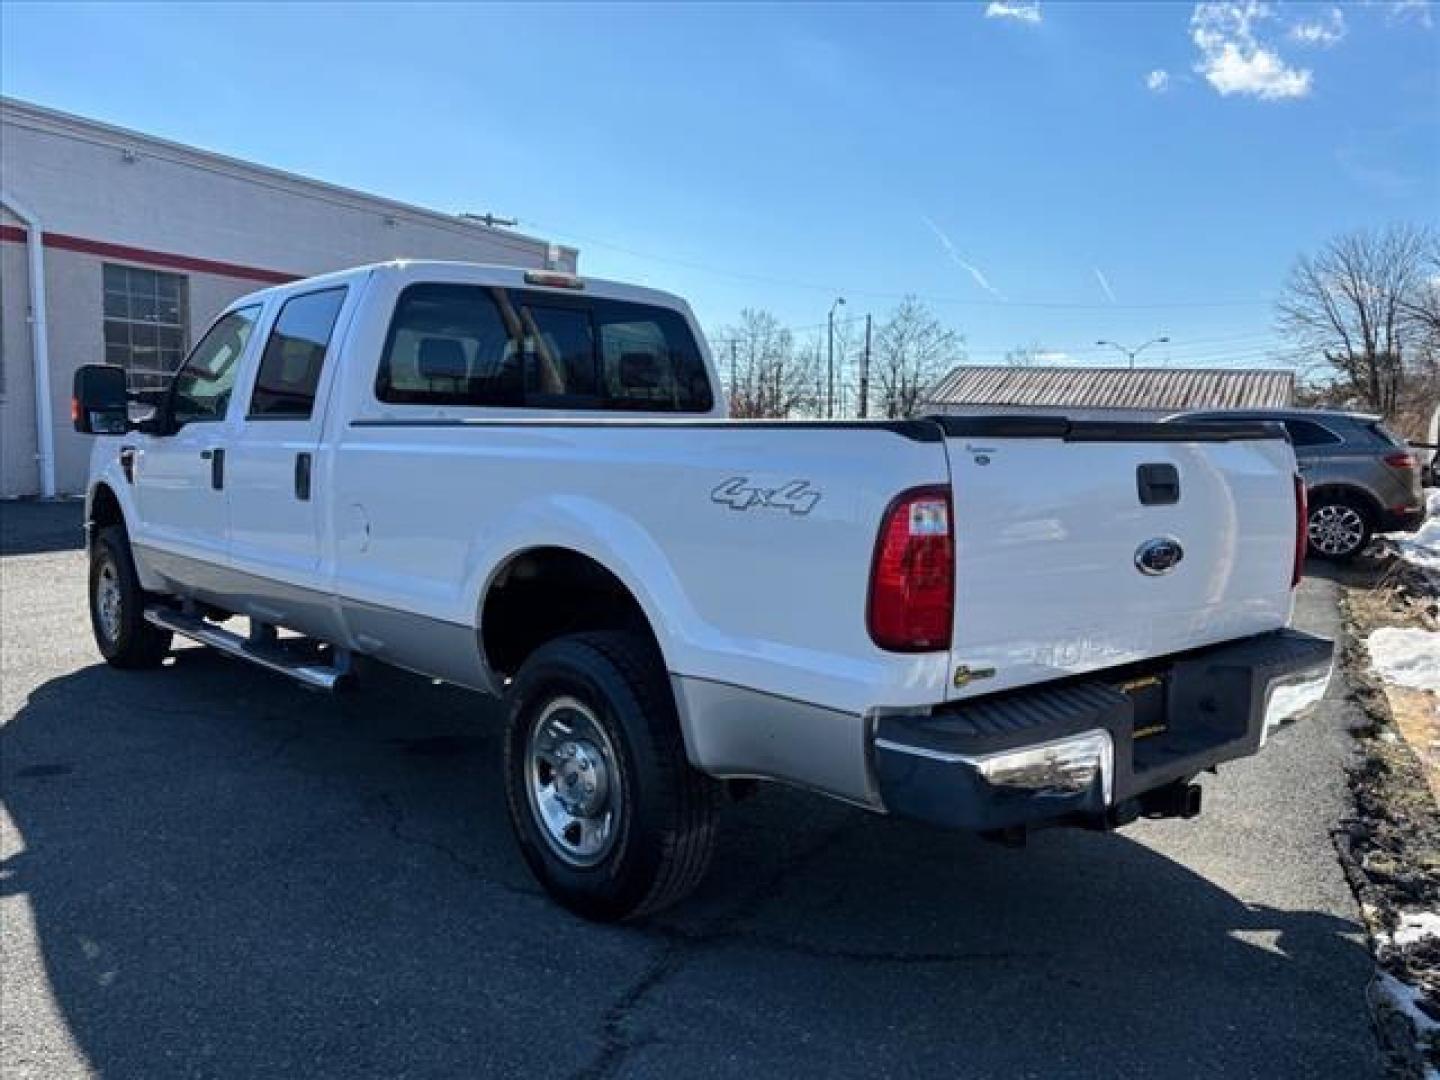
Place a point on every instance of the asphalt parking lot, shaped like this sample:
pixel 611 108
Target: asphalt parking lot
pixel 210 872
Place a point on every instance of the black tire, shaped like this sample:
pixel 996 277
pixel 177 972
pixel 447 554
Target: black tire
pixel 123 636
pixel 1339 527
pixel 666 813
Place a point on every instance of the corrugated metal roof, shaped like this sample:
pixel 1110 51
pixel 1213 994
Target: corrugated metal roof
pixel 1117 388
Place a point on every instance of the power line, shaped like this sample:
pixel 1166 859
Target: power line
pixel 769 279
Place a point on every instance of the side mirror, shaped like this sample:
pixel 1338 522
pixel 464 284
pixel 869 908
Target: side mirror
pixel 100 405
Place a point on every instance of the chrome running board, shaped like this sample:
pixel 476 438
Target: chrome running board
pixel 261 648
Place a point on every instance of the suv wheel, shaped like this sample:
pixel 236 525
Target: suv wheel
pixel 117 606
pixel 1339 527
pixel 609 814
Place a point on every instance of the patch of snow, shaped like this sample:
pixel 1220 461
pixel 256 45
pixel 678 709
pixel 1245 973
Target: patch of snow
pixel 1422 548
pixel 1406 656
pixel 1416 927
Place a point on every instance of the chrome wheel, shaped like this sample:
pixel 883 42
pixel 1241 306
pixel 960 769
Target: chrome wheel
pixel 574 783
pixel 1336 529
pixel 107 600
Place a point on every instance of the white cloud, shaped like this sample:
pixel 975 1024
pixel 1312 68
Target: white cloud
pixel 1052 356
pixel 1158 81
pixel 1234 60
pixel 970 268
pixel 1406 10
pixel 1105 284
pixel 1323 32
pixel 1026 11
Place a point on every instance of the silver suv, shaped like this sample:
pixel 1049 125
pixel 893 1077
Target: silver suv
pixel 1360 477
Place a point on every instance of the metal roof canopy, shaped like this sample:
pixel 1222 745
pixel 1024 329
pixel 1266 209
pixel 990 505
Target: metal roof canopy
pixel 1160 389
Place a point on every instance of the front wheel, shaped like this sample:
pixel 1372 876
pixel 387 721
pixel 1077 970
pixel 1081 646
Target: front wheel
pixel 117 606
pixel 610 816
pixel 1339 528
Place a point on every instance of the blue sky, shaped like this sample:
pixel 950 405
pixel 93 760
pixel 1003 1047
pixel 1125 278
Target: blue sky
pixel 1045 174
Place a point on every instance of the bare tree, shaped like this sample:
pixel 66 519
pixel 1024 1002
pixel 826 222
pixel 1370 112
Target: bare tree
pixel 1422 306
pixel 770 377
pixel 1359 304
pixel 912 351
pixel 1024 355
pixel 815 351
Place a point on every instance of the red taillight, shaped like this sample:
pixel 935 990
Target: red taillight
pixel 74 410
pixel 912 581
pixel 1302 529
pixel 1401 461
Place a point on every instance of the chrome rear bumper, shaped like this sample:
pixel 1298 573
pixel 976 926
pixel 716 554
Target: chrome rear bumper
pixel 1089 750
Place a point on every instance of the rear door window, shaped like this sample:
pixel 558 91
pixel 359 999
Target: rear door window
pixel 295 356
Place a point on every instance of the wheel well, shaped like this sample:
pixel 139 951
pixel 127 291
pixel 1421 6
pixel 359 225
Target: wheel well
pixel 1345 493
pixel 105 508
pixel 544 593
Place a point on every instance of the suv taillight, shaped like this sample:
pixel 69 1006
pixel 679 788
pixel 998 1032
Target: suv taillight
pixel 912 580
pixel 1302 529
pixel 1401 461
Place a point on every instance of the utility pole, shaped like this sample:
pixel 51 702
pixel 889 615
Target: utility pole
pixel 865 372
pixel 733 381
pixel 1131 354
pixel 830 367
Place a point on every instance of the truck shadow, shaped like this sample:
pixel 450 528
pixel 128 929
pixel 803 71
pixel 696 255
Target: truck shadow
pixel 34 527
pixel 227 876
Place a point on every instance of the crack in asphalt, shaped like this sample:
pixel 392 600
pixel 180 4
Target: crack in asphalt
pixel 395 822
pixel 616 1042
pixel 678 945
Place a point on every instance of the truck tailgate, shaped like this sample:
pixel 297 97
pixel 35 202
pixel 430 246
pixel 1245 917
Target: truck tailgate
pixel 1073 554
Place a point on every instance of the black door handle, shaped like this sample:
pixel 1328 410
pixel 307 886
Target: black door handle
pixel 217 466
pixel 302 476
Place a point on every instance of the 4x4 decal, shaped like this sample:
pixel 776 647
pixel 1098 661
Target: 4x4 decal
pixel 739 493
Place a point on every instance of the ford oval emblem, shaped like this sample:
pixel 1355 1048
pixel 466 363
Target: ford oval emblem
pixel 1158 556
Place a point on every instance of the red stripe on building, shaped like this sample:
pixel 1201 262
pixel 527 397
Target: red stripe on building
pixel 168 259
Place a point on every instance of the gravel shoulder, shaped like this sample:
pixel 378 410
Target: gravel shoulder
pixel 1390 845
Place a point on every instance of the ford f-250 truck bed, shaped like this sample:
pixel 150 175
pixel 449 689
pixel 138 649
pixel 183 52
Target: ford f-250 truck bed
pixel 524 483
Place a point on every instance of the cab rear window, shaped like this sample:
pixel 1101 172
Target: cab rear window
pixel 479 346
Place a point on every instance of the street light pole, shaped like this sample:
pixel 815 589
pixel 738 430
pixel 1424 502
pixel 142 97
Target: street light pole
pixel 830 366
pixel 1131 354
pixel 865 372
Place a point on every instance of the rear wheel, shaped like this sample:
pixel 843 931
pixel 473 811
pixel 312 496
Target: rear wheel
pixel 609 814
pixel 117 606
pixel 1339 527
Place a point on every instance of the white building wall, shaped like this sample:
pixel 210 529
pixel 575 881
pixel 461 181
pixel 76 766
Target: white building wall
pixel 170 206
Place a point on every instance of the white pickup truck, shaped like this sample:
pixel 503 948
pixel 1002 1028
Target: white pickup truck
pixel 524 483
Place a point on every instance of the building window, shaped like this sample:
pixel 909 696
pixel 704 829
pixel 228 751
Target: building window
pixel 145 318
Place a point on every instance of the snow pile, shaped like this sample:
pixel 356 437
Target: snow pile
pixel 1423 548
pixel 1406 656
pixel 1415 927
pixel 1405 1016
